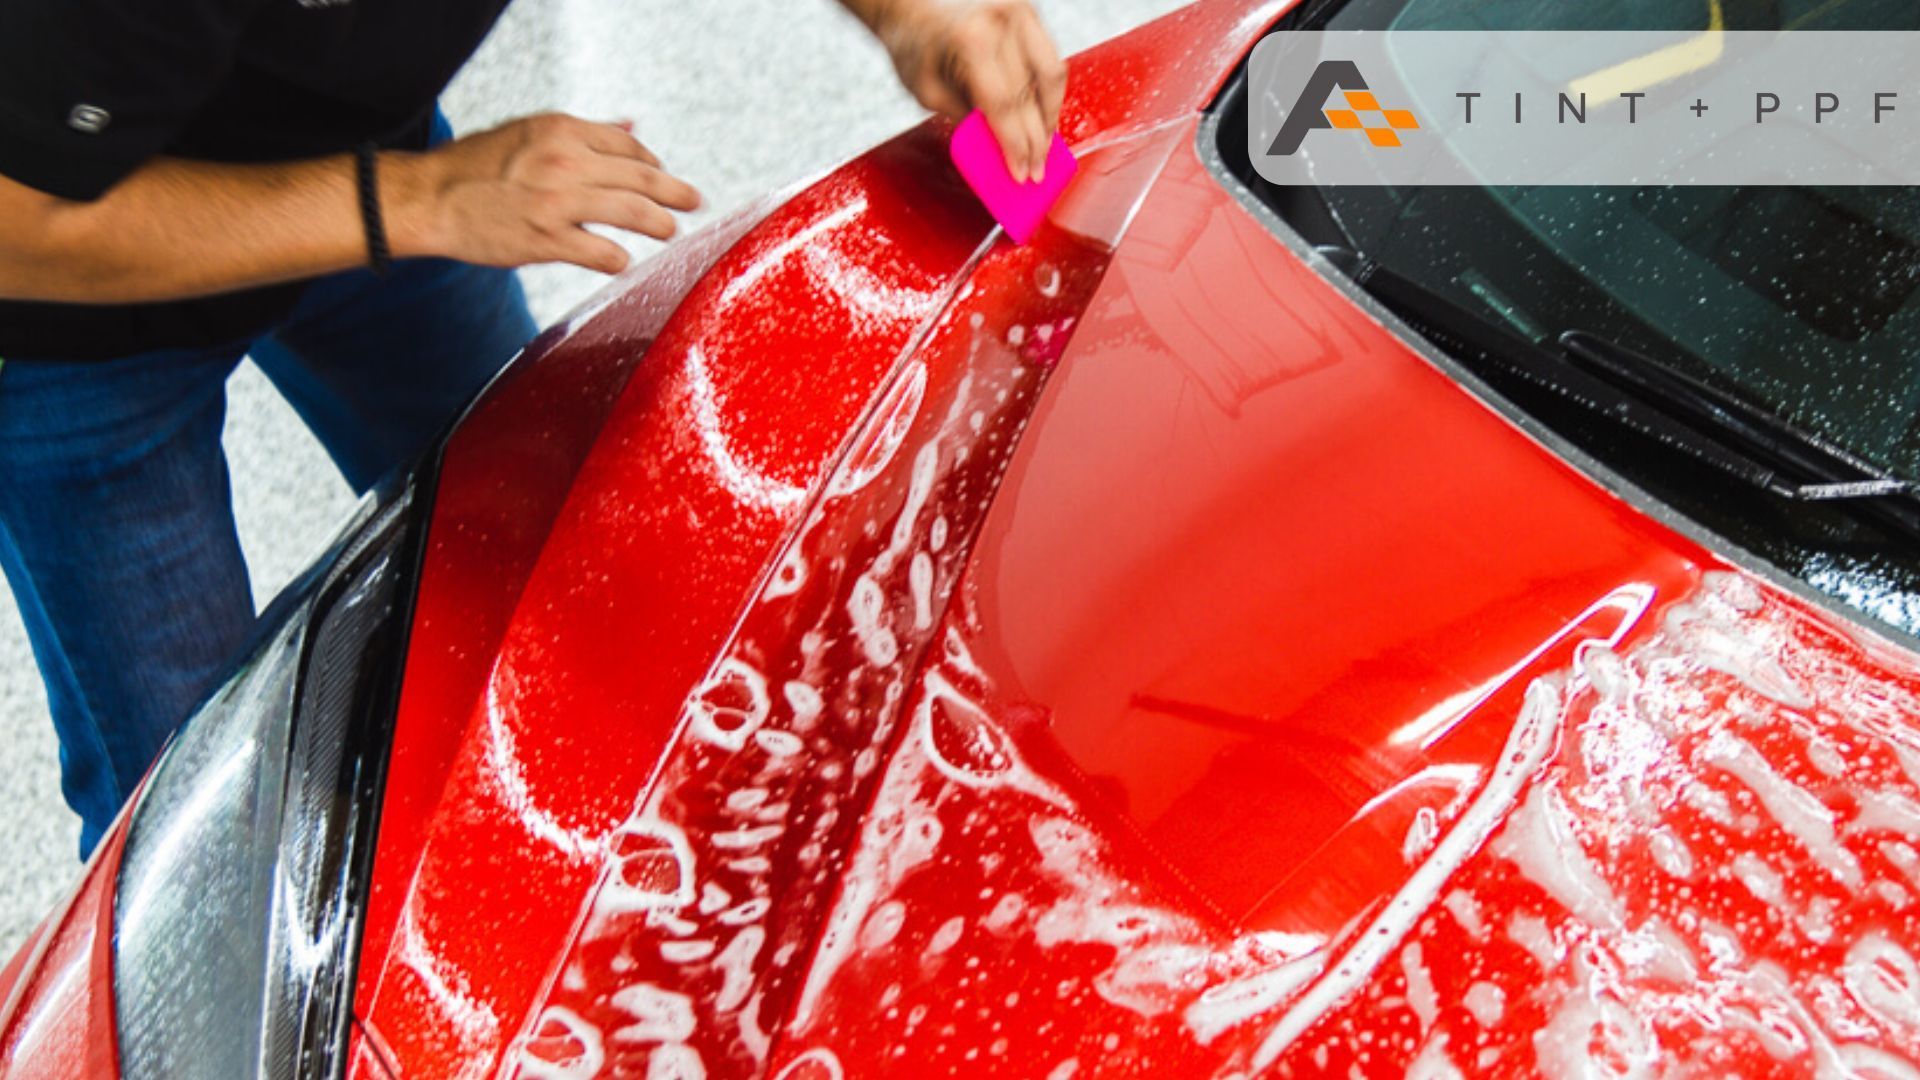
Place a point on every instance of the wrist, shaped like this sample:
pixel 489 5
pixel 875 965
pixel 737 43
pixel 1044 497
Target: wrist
pixel 410 186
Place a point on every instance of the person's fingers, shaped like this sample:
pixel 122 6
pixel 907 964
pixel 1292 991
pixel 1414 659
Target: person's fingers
pixel 623 210
pixel 1011 57
pixel 996 93
pixel 1049 72
pixel 936 92
pixel 616 141
pixel 626 174
pixel 671 192
pixel 582 248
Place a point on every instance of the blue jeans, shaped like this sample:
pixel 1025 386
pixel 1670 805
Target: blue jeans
pixel 116 518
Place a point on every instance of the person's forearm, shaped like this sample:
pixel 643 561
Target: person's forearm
pixel 522 193
pixel 179 229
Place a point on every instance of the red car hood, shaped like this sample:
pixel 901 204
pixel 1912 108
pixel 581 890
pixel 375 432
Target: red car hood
pixel 1118 655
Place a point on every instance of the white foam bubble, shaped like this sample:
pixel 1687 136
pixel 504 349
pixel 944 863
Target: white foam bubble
pixel 867 606
pixel 1824 757
pixel 1539 840
pixel 883 926
pixel 467 1014
pixel 1150 979
pixel 749 911
pixel 1883 978
pixel 735 964
pixel 1486 1003
pixel 675 1061
pixel 1231 1004
pixel 1816 922
pixel 1531 933
pixel 1670 853
pixel 508 778
pixel 1804 817
pixel 1421 997
pixel 651 868
pixel 778 743
pixel 660 1015
pixel 1889 811
pixel 1466 911
pixel 1655 951
pixel 1763 881
pixel 1004 913
pixel 1871 1061
pixel 920 582
pixel 730 706
pixel 1595 1038
pixel 686 951
pixel 1432 1062
pixel 947 936
pixel 816 1064
pixel 560 1023
pixel 1904 859
pixel 1712 804
pixel 805 701
pixel 744 839
pixel 926 465
pixel 1420 834
pixel 993 760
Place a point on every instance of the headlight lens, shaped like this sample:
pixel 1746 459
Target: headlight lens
pixel 242 883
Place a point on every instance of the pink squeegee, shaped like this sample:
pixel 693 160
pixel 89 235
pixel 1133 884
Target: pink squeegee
pixel 1016 206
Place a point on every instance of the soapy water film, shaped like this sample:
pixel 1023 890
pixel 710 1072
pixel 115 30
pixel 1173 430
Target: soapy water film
pixel 1692 857
pixel 1699 857
pixel 717 888
pixel 1697 854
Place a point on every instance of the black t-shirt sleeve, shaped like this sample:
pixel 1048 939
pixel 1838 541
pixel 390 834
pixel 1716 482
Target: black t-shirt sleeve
pixel 91 89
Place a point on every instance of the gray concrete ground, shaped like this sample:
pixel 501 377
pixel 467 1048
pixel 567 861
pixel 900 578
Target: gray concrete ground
pixel 737 97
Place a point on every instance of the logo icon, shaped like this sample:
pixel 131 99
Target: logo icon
pixel 1311 111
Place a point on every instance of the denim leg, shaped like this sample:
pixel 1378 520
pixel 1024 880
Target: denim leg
pixel 117 537
pixel 378 367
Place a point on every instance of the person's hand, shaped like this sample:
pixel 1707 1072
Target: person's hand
pixel 525 192
pixel 993 55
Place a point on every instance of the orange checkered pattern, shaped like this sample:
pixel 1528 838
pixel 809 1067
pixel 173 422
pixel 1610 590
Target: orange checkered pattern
pixel 1354 117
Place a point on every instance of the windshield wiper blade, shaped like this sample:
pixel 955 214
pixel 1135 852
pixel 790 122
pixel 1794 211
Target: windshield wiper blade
pixel 1830 473
pixel 1647 397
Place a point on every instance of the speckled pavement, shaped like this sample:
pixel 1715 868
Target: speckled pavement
pixel 737 97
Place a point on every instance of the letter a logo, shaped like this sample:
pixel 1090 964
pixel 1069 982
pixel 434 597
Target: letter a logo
pixel 1310 112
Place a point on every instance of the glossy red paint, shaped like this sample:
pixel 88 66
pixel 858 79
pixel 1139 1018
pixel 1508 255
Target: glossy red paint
pixel 1122 655
pixel 670 519
pixel 56 996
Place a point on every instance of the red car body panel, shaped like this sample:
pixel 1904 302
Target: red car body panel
pixel 1119 655
pixel 795 327
pixel 1250 723
pixel 56 996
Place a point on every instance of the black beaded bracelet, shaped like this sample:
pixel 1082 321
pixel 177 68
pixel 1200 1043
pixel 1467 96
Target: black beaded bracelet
pixel 367 175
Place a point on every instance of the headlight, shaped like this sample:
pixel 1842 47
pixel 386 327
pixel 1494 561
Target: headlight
pixel 238 913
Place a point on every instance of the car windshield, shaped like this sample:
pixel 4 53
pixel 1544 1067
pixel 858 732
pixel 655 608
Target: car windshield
pixel 1805 301
pixel 1802 302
